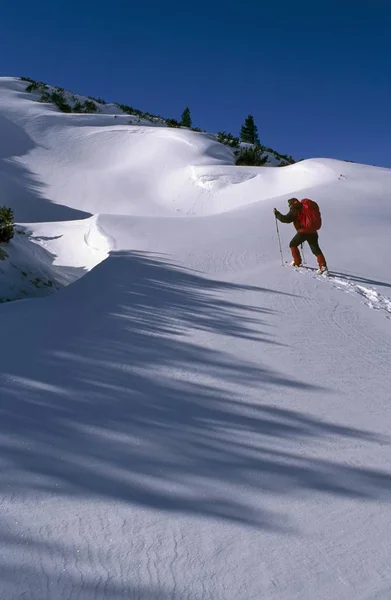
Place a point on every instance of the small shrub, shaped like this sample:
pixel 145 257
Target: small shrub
pixel 197 129
pixel 78 107
pixel 251 157
pixel 89 106
pixel 45 97
pixel 172 123
pixel 58 99
pixel 7 225
pixel 149 117
pixel 27 79
pixel 36 86
pixel 282 157
pixel 129 110
pixel 98 100
pixel 33 87
pixel 228 139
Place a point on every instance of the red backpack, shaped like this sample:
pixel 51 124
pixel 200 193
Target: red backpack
pixel 309 216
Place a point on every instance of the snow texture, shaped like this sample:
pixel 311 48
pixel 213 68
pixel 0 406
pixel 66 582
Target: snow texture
pixel 184 418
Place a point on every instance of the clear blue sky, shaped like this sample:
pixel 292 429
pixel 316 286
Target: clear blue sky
pixel 315 75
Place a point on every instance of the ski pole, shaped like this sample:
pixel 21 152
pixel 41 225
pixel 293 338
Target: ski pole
pixel 279 242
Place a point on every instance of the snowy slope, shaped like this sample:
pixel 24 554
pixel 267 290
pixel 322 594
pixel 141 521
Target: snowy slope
pixel 189 419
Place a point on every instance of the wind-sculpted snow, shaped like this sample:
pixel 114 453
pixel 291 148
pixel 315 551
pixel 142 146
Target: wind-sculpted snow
pixel 181 417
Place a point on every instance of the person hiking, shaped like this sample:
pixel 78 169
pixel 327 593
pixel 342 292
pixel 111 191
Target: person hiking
pixel 306 218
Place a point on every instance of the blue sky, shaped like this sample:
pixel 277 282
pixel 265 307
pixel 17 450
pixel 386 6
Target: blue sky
pixel 315 75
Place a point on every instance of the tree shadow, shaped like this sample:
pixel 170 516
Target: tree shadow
pixel 130 386
pixel 115 390
pixel 24 193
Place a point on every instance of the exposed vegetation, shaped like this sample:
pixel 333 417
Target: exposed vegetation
pixel 7 225
pixel 98 100
pixel 249 131
pixel 228 139
pixel 186 118
pixel 172 123
pixel 283 157
pixel 254 155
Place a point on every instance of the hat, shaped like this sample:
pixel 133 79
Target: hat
pixel 292 201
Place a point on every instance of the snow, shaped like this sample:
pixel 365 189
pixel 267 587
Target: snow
pixel 185 418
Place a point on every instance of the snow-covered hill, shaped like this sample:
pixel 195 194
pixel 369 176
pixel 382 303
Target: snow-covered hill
pixel 188 419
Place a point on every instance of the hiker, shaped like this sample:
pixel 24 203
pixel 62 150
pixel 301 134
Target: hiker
pixel 306 218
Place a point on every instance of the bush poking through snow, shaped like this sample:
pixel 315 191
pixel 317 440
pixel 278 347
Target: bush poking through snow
pixel 7 225
pixel 284 158
pixel 228 139
pixel 251 157
pixel 78 107
pixel 36 86
pixel 58 99
pixel 129 110
pixel 98 100
pixel 90 106
pixel 248 133
pixel 173 123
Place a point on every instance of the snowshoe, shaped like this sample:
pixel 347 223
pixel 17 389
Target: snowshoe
pixel 322 271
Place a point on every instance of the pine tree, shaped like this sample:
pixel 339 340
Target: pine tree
pixel 249 131
pixel 7 227
pixel 186 118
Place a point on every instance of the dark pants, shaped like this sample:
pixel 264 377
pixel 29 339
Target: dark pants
pixel 311 238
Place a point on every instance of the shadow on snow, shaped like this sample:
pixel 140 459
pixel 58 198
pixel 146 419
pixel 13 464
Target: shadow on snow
pixel 128 386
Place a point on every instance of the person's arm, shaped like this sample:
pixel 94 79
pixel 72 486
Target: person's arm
pixel 288 218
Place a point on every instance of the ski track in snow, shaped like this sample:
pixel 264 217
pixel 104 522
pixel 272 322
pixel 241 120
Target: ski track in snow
pixel 372 298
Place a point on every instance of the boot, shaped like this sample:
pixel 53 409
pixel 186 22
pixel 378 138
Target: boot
pixel 322 264
pixel 296 257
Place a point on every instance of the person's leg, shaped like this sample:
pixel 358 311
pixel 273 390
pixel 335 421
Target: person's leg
pixel 295 242
pixel 313 242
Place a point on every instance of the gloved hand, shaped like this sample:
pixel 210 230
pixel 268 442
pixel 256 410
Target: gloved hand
pixel 275 212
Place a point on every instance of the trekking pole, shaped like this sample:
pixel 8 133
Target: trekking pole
pixel 279 242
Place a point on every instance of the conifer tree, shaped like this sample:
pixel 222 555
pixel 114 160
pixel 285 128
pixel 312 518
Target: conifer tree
pixel 186 118
pixel 249 131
